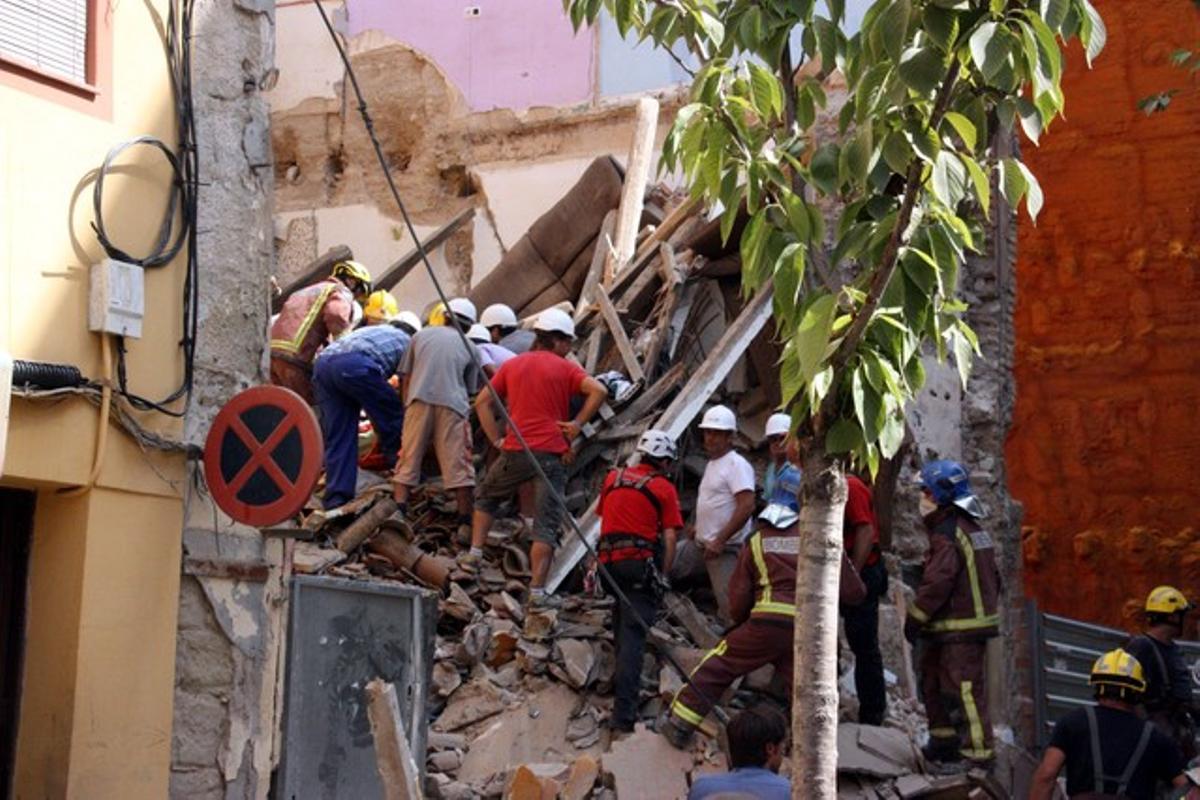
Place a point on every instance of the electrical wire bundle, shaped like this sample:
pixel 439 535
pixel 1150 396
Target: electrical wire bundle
pixel 172 236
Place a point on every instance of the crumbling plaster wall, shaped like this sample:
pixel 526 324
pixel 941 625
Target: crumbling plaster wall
pixel 229 630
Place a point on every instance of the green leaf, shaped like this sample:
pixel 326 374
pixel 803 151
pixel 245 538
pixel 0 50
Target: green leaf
pixel 868 406
pixel 764 88
pixel 949 179
pixel 892 27
pixel 789 276
pixel 892 435
pixel 851 244
pixel 624 14
pixel 963 355
pixel 914 373
pixel 1092 31
pixel 964 128
pixel 990 49
pixel 812 334
pixel 924 141
pixel 979 179
pixel 827 41
pixel 1033 193
pixel 824 168
pixel 942 26
pixel 855 158
pixel 753 239
pixel 897 152
pixel 922 69
pixel 1055 12
pixel 1031 119
pixel 844 436
pixel 1012 181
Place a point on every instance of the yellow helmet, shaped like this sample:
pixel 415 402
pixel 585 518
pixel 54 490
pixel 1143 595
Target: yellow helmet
pixel 437 315
pixel 355 271
pixel 1120 670
pixel 1166 600
pixel 381 306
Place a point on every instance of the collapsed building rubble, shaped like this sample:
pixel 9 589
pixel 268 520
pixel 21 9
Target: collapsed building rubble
pixel 520 699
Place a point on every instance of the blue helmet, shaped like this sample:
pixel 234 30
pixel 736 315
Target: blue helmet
pixel 950 484
pixel 786 491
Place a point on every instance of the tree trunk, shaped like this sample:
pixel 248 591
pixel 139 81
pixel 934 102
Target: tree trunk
pixel 815 689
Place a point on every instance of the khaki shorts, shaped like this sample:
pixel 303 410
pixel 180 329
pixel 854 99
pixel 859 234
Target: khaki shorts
pixel 451 437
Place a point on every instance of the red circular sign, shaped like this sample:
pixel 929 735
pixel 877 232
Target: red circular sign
pixel 263 455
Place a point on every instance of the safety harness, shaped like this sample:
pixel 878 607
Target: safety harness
pixel 1098 776
pixel 619 546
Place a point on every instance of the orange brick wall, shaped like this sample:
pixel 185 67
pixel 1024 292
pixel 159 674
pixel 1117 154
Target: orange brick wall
pixel 1104 452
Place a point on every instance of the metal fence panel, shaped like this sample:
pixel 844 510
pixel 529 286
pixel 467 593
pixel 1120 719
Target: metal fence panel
pixel 343 634
pixel 1063 654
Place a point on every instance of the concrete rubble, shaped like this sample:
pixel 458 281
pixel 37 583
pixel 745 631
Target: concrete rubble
pixel 520 699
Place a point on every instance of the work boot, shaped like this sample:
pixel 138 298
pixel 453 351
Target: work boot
pixel 544 602
pixel 944 751
pixel 680 736
pixel 462 534
pixel 469 562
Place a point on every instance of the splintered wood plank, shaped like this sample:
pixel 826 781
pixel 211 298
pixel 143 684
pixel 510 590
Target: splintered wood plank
pixel 609 312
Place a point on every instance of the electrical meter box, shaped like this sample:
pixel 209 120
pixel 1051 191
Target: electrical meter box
pixel 118 298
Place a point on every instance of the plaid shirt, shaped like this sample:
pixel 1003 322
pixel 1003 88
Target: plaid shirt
pixel 383 344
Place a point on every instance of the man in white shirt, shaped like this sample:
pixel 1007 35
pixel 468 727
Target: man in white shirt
pixel 724 505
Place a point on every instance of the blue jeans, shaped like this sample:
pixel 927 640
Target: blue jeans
pixel 345 384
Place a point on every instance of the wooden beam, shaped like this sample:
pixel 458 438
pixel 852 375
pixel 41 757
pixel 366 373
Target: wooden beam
pixel 677 417
pixel 397 770
pixel 618 333
pixel 633 193
pixel 400 269
pixel 256 571
pixel 603 247
pixel 317 269
pixel 672 294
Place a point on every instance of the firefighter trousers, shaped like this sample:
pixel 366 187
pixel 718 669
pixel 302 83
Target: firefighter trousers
pixel 954 677
pixel 753 644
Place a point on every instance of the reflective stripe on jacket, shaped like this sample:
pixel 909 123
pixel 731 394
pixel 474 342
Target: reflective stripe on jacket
pixel 763 585
pixel 309 318
pixel 959 595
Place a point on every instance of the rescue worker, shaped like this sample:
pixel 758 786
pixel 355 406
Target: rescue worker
pixel 381 307
pixel 1107 749
pixel 1168 697
pixel 376 459
pixel 724 508
pixel 353 375
pixel 955 612
pixel 639 520
pixel 439 377
pixel 309 319
pixel 860 535
pixel 757 743
pixel 538 387
pixel 778 427
pixel 762 604
pixel 491 355
pixel 501 323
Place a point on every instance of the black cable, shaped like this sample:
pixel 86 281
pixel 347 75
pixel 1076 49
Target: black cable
pixel 555 495
pixel 164 249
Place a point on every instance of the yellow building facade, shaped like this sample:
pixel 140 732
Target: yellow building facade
pixel 101 591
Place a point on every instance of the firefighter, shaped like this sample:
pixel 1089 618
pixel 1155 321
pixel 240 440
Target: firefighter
pixel 309 319
pixel 1168 697
pixel 955 613
pixel 762 603
pixel 639 520
pixel 1133 753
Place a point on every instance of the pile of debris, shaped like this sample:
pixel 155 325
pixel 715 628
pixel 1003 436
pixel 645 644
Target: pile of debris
pixel 520 703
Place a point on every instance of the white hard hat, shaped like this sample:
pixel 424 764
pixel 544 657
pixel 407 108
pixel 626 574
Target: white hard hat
pixel 498 314
pixel 657 444
pixel 408 318
pixel 779 516
pixel 555 320
pixel 463 308
pixel 478 333
pixel 718 418
pixel 778 424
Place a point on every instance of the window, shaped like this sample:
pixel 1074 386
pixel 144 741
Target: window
pixel 50 36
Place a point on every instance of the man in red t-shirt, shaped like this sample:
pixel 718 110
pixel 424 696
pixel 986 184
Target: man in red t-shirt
pixel 860 532
pixel 639 519
pixel 538 387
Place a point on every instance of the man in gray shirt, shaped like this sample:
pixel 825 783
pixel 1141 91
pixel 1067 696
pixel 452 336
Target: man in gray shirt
pixel 438 378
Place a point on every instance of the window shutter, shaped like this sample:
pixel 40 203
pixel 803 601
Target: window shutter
pixel 50 35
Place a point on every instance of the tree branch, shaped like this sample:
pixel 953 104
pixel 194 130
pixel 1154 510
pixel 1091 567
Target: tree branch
pixel 889 258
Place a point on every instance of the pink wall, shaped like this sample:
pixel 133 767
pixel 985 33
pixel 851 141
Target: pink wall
pixel 512 54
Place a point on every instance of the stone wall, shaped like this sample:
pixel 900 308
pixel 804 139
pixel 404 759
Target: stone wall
pixel 229 631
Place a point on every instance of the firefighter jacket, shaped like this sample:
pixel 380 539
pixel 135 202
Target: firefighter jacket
pixel 959 596
pixel 309 318
pixel 763 585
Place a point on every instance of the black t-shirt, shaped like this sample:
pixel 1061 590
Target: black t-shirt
pixel 1173 688
pixel 1119 734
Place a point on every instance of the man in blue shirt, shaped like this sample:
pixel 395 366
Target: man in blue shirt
pixel 351 375
pixel 756 743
